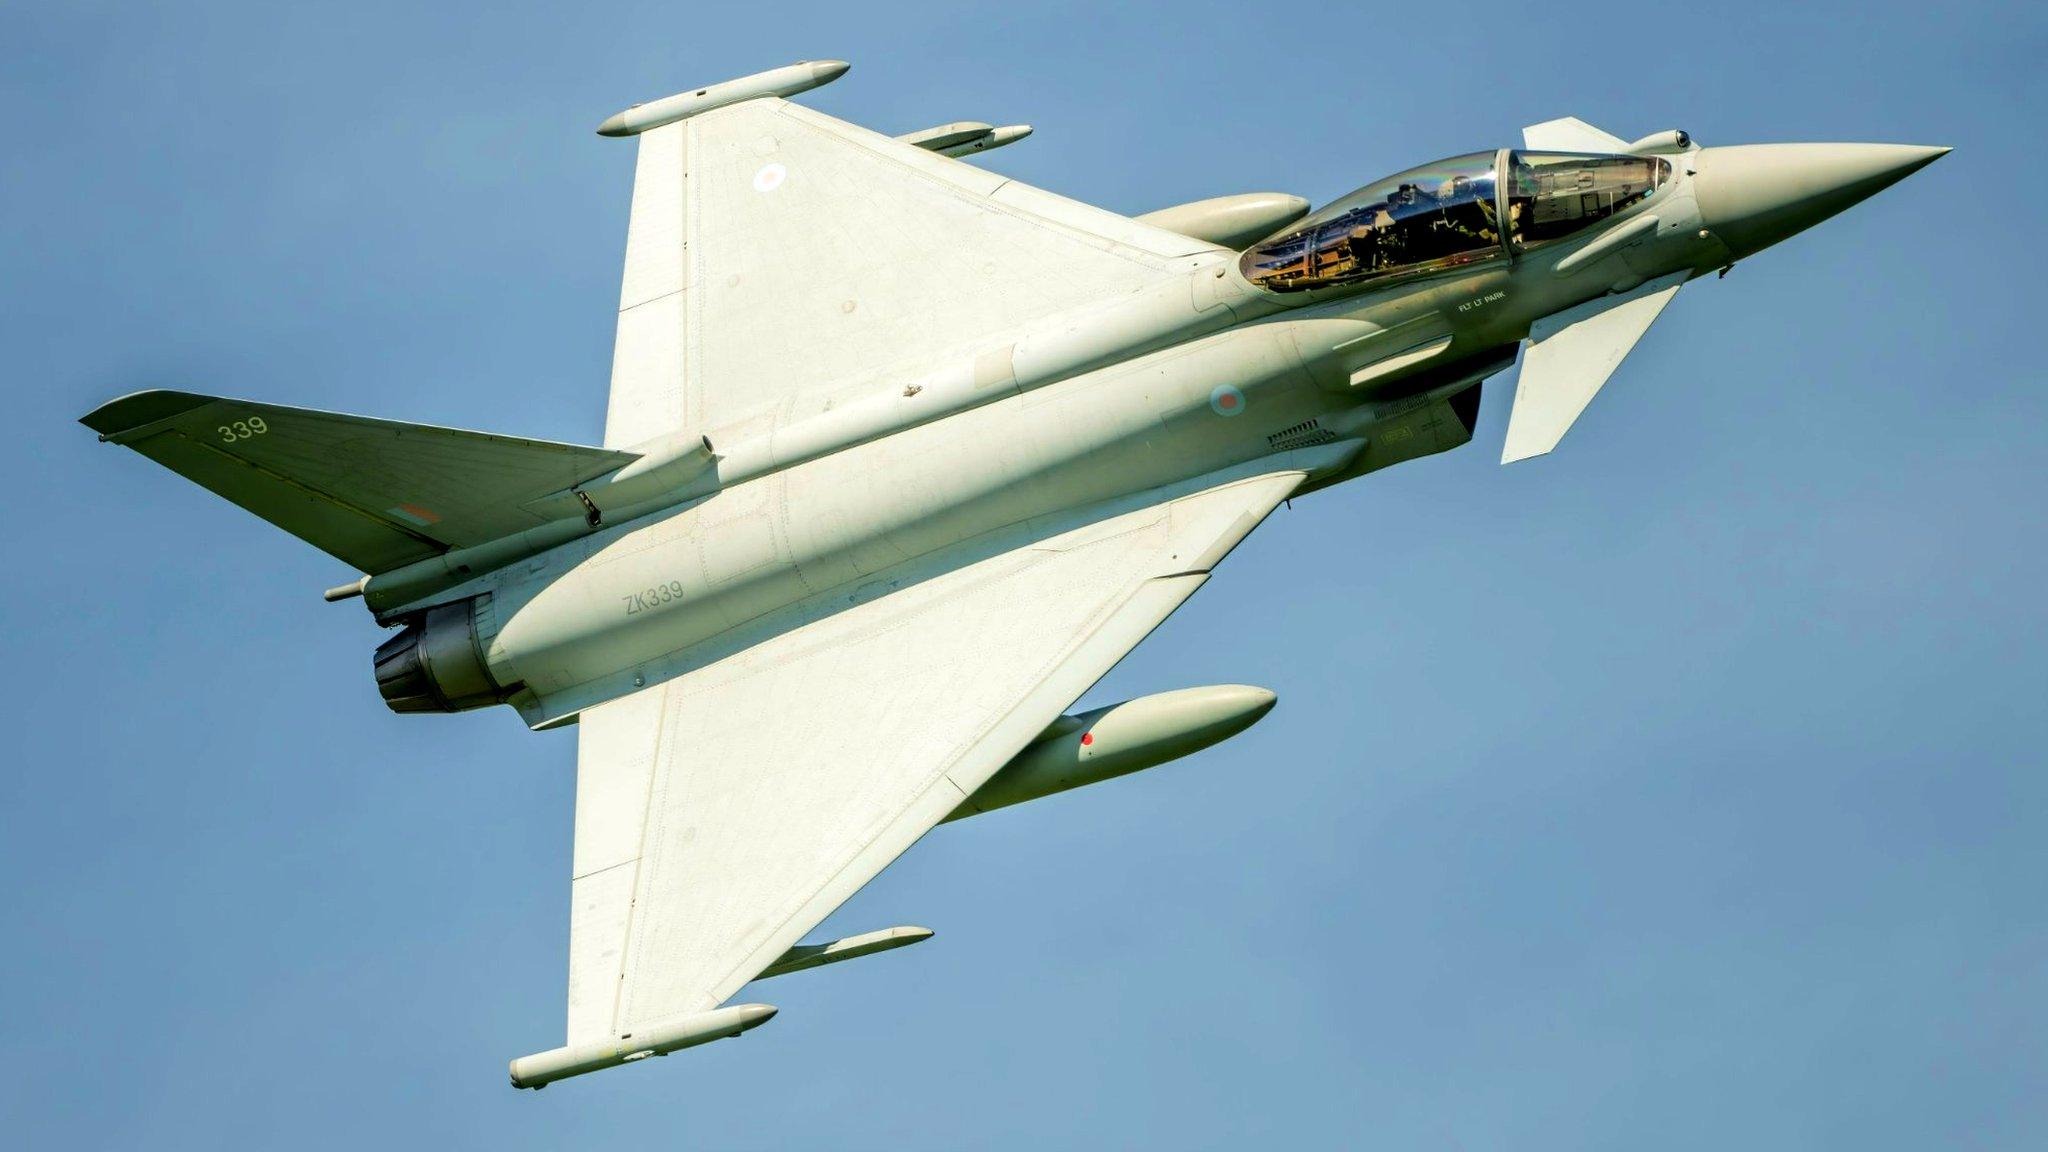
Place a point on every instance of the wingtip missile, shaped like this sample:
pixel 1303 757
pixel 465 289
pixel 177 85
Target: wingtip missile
pixel 544 1068
pixel 801 76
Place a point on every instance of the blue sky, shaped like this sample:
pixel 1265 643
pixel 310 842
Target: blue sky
pixel 1683 789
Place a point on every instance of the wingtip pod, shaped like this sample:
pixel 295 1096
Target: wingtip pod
pixel 801 76
pixel 544 1068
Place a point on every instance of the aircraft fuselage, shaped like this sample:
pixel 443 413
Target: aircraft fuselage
pixel 877 491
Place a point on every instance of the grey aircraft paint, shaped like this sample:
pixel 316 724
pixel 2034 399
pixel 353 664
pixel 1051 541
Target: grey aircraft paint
pixel 1174 406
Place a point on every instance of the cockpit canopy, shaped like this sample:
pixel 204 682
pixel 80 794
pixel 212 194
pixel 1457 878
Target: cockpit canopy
pixel 1448 214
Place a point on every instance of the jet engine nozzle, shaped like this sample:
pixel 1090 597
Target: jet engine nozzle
pixel 436 664
pixel 1754 195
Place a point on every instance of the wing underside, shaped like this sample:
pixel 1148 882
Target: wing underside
pixel 723 814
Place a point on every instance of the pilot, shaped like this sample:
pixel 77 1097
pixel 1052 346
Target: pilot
pixel 1373 245
pixel 1471 225
pixel 1361 246
pixel 1489 217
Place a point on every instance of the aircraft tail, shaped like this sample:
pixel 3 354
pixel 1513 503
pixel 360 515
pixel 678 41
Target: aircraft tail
pixel 376 494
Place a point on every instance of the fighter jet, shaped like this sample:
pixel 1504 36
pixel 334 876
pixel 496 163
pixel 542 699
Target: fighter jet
pixel 901 456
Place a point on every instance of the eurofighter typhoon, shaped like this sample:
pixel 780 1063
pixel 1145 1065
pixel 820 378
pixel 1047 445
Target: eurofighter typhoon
pixel 901 456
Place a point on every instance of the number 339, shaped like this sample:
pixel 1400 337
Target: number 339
pixel 242 429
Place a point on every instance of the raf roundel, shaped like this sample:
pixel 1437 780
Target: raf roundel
pixel 1226 400
pixel 770 177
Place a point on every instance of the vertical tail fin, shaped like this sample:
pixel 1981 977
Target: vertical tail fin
pixel 376 494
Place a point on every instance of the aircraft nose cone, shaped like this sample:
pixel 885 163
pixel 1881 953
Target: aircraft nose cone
pixel 1754 195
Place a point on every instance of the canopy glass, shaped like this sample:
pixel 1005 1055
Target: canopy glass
pixel 1447 215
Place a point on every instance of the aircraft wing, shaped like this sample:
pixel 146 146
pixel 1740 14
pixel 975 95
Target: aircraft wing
pixel 776 253
pixel 722 814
